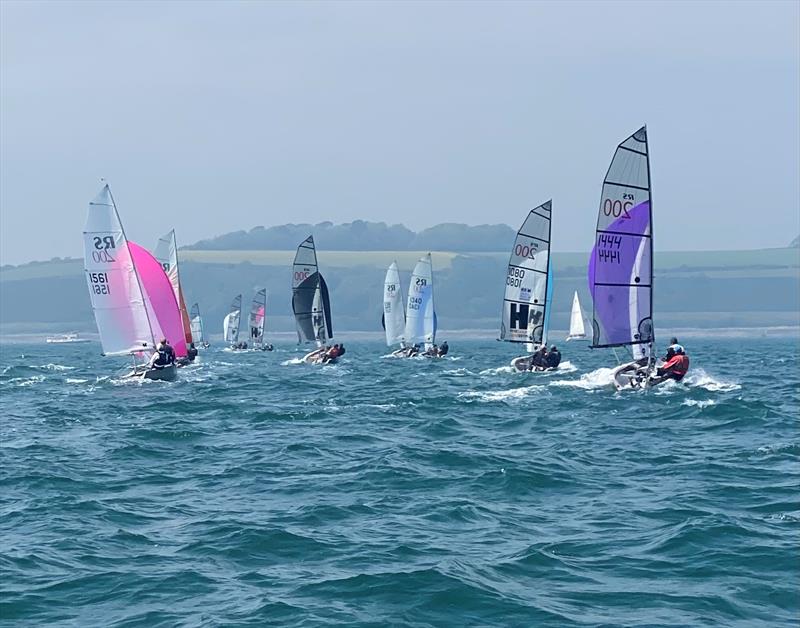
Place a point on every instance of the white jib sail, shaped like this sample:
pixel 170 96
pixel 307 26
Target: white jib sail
pixel 525 299
pixel 576 327
pixel 114 288
pixel 394 316
pixel 420 313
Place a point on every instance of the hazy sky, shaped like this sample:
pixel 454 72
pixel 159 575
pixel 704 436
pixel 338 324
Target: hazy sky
pixel 212 117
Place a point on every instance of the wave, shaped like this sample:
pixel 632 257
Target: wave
pixel 510 396
pixel 599 378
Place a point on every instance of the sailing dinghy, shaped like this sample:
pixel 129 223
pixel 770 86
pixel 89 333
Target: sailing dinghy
pixel 198 331
pixel 621 264
pixel 421 320
pixel 258 321
pixel 311 303
pixel 230 324
pixel 526 303
pixel 394 314
pixel 577 330
pixel 128 299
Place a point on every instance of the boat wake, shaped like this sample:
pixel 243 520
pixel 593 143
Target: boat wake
pixel 292 361
pixel 698 378
pixel 514 395
pixel 599 378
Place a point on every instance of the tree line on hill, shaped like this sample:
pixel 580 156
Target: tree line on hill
pixel 361 235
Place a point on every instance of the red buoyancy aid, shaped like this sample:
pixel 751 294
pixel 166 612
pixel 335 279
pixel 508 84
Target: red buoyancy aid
pixel 677 365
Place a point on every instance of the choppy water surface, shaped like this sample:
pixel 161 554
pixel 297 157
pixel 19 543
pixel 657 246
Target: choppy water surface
pixel 257 491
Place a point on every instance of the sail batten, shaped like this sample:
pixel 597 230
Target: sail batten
pixel 621 262
pixel 525 312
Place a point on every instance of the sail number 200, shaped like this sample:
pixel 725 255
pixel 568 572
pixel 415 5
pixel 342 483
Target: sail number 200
pixel 99 283
pixel 618 207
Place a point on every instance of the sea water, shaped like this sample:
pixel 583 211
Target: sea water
pixel 257 491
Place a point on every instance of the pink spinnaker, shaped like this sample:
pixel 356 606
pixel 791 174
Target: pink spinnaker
pixel 161 298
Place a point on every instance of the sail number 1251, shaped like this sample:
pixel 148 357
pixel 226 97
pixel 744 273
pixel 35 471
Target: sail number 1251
pixel 99 282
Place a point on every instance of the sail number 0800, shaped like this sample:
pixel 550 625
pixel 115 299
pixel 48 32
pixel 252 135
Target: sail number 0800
pixel 515 277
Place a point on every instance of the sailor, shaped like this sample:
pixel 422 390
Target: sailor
pixel 673 344
pixel 191 352
pixel 333 353
pixel 443 349
pixel 539 359
pixel 413 350
pixel 341 350
pixel 676 367
pixel 268 347
pixel 164 355
pixel 553 358
pixel 432 351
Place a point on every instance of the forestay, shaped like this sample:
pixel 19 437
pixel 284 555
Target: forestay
pixel 394 315
pixel 166 252
pixel 621 264
pixel 527 294
pixel 197 324
pixel 258 316
pixel 420 312
pixel 230 326
pixel 310 299
pixel 116 294
pixel 163 312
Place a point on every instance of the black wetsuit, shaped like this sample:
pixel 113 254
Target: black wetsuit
pixel 443 349
pixel 553 359
pixel 191 353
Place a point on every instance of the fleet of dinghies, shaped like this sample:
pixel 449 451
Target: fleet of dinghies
pixel 137 296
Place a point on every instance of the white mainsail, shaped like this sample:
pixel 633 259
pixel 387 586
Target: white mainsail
pixel 258 317
pixel 420 312
pixel 197 324
pixel 577 331
pixel 230 326
pixel 394 316
pixel 528 287
pixel 116 293
pixel 166 252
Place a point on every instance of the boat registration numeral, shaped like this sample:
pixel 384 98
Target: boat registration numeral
pixel 515 277
pixel 619 207
pixel 414 303
pixel 165 266
pixel 300 275
pixel 608 248
pixel 99 283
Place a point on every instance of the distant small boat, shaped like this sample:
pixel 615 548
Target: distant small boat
pixel 198 331
pixel 65 338
pixel 230 325
pixel 311 303
pixel 258 320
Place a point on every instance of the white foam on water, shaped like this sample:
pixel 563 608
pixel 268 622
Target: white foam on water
pixel 698 378
pixel 509 396
pixel 599 378
pixel 27 381
pixel 72 380
pixel 460 372
pixel 700 403
pixel 500 370
pixel 57 367
pixel 291 361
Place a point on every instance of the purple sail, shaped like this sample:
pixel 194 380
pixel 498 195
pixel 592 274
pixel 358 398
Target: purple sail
pixel 621 264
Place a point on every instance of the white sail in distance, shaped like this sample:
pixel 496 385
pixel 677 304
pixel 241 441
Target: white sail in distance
pixel 420 311
pixel 258 317
pixel 525 301
pixel 577 331
pixel 114 287
pixel 197 324
pixel 394 314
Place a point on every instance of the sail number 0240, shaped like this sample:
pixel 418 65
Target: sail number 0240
pixel 99 283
